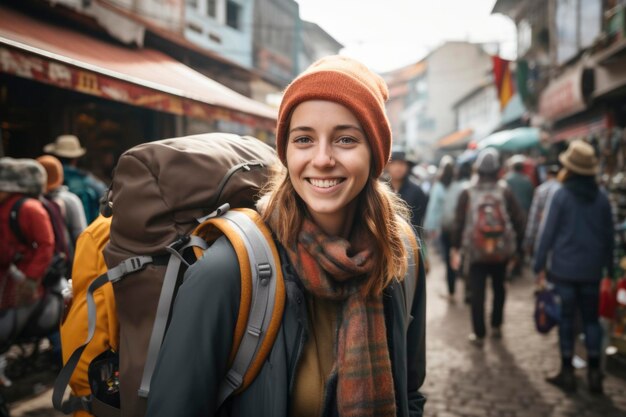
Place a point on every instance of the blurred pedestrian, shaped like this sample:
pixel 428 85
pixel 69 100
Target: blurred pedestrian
pixel 577 236
pixel 347 347
pixel 541 199
pixel 489 230
pixel 520 185
pixel 80 182
pixel 399 170
pixel 434 221
pixel 26 246
pixel 462 177
pixel 69 203
pixel 523 189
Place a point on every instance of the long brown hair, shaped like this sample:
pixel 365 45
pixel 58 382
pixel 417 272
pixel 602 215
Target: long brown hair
pixel 383 214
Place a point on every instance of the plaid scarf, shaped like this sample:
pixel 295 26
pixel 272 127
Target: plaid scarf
pixel 328 270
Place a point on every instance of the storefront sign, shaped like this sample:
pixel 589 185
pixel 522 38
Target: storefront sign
pixel 582 129
pixel 565 95
pixel 61 75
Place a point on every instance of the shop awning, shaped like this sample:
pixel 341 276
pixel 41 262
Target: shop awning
pixel 513 140
pixel 59 56
pixel 460 138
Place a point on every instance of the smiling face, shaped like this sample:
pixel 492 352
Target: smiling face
pixel 328 159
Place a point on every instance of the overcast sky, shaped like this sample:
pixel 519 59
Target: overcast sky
pixel 392 33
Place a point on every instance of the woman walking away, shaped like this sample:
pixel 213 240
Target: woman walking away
pixel 578 237
pixel 345 346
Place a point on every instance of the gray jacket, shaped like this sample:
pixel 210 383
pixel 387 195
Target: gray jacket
pixel 194 356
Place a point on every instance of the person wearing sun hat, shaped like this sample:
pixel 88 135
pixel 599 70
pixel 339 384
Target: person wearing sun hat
pixel 577 237
pixel 347 346
pixel 69 203
pixel 80 182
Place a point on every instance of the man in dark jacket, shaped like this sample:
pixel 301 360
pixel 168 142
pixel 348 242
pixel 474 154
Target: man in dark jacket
pixel 399 170
pixel 487 165
pixel 577 234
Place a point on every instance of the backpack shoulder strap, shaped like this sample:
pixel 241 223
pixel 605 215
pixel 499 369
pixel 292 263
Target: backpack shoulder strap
pixel 14 217
pixel 262 299
pixel 409 283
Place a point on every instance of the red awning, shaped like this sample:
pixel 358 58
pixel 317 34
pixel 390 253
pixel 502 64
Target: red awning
pixel 56 55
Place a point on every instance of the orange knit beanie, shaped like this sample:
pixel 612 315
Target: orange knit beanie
pixel 347 82
pixel 54 168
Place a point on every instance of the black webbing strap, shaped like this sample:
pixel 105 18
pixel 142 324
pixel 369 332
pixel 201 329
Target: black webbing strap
pixel 14 223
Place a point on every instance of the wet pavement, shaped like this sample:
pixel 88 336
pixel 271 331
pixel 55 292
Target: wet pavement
pixel 504 378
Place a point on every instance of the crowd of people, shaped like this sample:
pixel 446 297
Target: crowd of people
pixel 45 204
pixel 496 218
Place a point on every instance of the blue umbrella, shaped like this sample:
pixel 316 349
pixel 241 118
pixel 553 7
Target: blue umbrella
pixel 512 140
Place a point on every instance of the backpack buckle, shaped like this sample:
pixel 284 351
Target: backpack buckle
pixel 128 266
pixel 85 402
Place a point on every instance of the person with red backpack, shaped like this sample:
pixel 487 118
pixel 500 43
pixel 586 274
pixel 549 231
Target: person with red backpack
pixel 24 257
pixel 489 229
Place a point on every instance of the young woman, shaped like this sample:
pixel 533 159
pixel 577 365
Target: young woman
pixel 344 347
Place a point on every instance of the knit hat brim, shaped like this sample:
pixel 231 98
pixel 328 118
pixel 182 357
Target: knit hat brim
pixel 364 99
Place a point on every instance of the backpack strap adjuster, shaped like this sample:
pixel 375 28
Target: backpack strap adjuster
pixel 264 272
pixel 128 266
pixel 234 379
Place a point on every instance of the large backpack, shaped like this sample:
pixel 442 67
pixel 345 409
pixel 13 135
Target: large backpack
pixel 489 236
pixel 170 199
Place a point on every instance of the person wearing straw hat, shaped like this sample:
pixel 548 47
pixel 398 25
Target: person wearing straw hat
pixel 578 238
pixel 80 182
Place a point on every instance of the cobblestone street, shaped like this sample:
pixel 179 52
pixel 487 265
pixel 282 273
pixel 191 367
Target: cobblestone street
pixel 505 377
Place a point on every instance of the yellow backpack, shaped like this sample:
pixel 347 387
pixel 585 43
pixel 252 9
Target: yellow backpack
pixel 89 264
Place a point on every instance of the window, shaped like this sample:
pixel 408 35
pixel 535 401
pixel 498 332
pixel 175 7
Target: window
pixel 578 24
pixel 211 8
pixel 233 12
pixel 590 21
